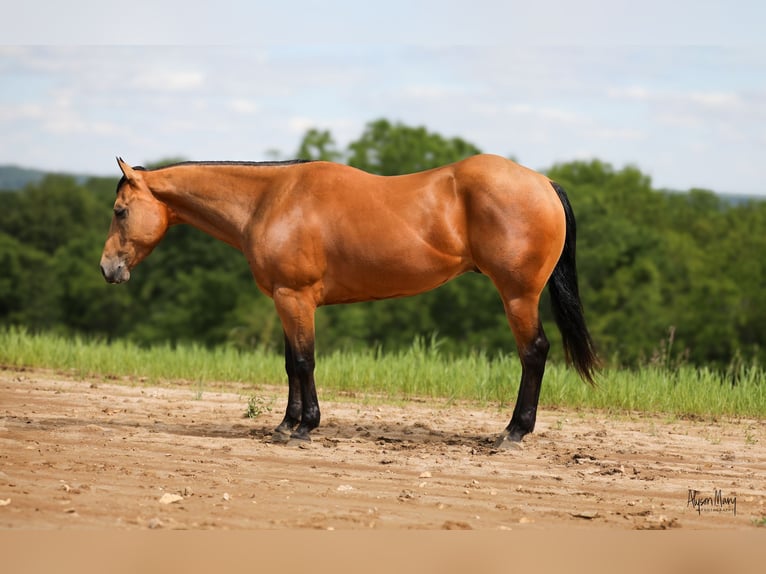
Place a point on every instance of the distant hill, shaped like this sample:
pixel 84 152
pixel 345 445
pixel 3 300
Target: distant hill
pixel 734 199
pixel 13 177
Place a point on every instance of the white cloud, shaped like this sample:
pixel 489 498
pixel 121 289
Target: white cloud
pixel 60 116
pixel 243 106
pixel 300 124
pixel 73 125
pixel 695 98
pixel 163 80
pixel 618 134
pixel 545 113
pixel 437 92
pixel 639 93
pixel 15 112
pixel 715 99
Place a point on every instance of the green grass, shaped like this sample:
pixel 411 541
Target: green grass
pixel 420 371
pixel 87 358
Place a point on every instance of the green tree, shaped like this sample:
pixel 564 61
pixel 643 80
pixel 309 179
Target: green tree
pixel 319 145
pixel 48 214
pixel 85 303
pixel 28 286
pixel 394 149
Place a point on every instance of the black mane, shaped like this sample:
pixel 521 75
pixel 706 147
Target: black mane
pixel 246 163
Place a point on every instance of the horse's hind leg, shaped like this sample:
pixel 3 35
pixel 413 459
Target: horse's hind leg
pixel 533 347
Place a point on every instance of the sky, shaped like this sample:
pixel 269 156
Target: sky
pixel 686 104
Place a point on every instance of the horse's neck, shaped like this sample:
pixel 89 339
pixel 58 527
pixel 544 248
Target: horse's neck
pixel 215 203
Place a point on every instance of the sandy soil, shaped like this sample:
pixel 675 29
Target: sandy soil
pixel 93 454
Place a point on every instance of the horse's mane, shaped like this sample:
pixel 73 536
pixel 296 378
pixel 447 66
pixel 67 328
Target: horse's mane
pixel 123 179
pixel 247 163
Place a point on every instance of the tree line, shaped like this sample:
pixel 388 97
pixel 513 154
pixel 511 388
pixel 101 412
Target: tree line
pixel 664 276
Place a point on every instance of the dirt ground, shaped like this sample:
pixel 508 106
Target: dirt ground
pixel 93 454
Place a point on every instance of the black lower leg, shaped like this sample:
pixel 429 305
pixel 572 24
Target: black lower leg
pixel 294 405
pixel 533 359
pixel 296 309
pixel 310 414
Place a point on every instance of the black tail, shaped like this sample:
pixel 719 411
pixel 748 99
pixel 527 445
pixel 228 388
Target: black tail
pixel 565 301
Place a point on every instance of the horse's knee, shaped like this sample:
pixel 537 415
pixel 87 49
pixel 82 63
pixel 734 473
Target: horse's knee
pixel 304 366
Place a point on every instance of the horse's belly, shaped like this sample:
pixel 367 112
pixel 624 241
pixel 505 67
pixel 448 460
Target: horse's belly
pixel 410 274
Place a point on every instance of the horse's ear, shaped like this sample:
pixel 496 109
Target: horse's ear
pixel 127 171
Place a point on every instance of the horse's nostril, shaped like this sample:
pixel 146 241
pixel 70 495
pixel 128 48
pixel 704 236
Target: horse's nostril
pixel 111 272
pixel 114 271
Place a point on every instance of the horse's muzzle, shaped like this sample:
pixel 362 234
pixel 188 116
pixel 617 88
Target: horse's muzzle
pixel 114 270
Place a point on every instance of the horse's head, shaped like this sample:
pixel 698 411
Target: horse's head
pixel 139 223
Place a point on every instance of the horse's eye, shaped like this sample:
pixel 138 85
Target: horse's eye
pixel 120 212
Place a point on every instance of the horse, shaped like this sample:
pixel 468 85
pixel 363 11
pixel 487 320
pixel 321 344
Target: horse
pixel 320 233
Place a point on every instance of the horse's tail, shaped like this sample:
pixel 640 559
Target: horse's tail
pixel 565 301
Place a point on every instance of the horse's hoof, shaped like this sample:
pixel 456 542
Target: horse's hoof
pixel 280 437
pixel 508 441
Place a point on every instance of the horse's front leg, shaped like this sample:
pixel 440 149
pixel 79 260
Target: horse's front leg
pixel 293 411
pixel 296 309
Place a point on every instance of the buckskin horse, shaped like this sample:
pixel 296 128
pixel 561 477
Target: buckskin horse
pixel 319 233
